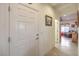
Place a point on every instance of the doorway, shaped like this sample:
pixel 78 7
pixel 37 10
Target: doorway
pixel 69 34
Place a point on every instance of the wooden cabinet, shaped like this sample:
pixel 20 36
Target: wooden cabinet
pixel 74 37
pixel 78 17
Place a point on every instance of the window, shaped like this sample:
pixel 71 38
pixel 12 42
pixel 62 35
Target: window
pixel 64 29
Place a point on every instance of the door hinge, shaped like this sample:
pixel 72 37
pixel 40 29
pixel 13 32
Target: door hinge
pixel 9 39
pixel 9 8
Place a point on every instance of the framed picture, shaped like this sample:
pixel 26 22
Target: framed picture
pixel 48 20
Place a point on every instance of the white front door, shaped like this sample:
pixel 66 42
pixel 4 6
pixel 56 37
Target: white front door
pixel 23 31
pixel 4 29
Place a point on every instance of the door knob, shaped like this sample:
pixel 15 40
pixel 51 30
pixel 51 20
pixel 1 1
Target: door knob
pixel 37 34
pixel 37 38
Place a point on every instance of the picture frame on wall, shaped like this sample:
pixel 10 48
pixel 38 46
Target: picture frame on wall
pixel 48 20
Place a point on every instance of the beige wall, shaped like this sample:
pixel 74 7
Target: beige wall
pixel 47 33
pixel 78 34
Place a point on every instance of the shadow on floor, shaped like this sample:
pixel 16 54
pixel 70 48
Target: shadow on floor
pixel 56 52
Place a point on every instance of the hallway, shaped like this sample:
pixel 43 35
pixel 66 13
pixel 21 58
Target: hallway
pixel 34 29
pixel 65 48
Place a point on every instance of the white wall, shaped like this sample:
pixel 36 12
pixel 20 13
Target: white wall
pixel 46 33
pixel 4 29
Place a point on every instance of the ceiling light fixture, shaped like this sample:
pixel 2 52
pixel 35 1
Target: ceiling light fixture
pixel 64 15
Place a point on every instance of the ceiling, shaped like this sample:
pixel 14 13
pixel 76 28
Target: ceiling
pixel 68 9
pixel 70 17
pixel 56 4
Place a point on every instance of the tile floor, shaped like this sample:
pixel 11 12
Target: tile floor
pixel 65 48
